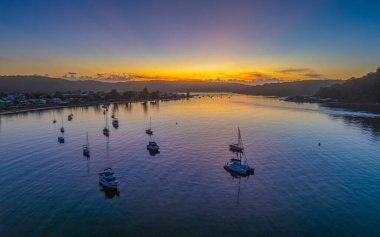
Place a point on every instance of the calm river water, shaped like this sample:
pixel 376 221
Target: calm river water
pixel 299 188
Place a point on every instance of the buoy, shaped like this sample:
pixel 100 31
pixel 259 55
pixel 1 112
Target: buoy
pixel 319 144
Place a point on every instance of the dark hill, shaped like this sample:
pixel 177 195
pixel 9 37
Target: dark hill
pixel 47 84
pixel 307 87
pixel 359 90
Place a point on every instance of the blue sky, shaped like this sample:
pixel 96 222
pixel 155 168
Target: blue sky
pixel 191 39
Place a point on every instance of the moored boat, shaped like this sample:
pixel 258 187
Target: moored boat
pixel 149 131
pixel 108 179
pixel 237 147
pixel 86 148
pixel 237 165
pixel 153 146
pixel 115 122
pixel 61 139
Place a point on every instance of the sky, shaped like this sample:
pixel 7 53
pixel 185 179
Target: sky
pixel 190 40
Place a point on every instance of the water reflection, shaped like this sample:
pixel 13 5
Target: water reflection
pixel 109 192
pixel 366 123
pixel 128 107
pixel 153 152
pixel 145 107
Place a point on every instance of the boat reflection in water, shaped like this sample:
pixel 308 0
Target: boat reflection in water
pixel 239 179
pixel 153 152
pixel 109 192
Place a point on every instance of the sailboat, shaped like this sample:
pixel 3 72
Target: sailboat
pixel 54 121
pixel 106 131
pixel 62 129
pixel 86 148
pixel 239 165
pixel 149 131
pixel 115 122
pixel 237 147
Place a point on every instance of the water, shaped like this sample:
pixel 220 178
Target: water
pixel 299 188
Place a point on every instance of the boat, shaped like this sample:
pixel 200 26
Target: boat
pixel 54 121
pixel 70 117
pixel 149 131
pixel 237 147
pixel 107 179
pixel 62 129
pixel 152 146
pixel 237 165
pixel 115 122
pixel 106 131
pixel 86 148
pixel 61 139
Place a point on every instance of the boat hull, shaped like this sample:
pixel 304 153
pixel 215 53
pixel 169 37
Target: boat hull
pixel 108 185
pixel 238 168
pixel 236 148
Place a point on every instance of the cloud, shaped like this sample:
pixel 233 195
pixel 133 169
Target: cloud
pixel 293 70
pixel 313 75
pixel 300 72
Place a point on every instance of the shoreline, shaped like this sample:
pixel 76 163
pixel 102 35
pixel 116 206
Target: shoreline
pixel 92 103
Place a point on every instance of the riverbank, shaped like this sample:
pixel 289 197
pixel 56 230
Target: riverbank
pixel 27 109
pixel 368 107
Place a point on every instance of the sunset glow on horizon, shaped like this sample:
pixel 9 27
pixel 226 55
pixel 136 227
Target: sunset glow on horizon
pixel 193 40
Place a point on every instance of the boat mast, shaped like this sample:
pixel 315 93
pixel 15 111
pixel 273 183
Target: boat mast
pixel 106 115
pixel 150 123
pixel 239 138
pixel 87 144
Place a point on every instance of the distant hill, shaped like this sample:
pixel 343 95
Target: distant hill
pixel 10 84
pixel 359 90
pixel 307 87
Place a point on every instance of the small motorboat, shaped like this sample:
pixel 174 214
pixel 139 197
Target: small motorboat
pixel 152 146
pixel 61 139
pixel 70 117
pixel 107 179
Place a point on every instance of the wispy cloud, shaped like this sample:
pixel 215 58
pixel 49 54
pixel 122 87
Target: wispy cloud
pixel 293 70
pixel 302 73
pixel 313 75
